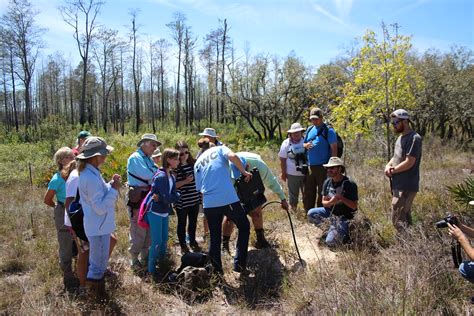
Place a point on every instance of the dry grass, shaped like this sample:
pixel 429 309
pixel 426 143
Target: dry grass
pixel 378 273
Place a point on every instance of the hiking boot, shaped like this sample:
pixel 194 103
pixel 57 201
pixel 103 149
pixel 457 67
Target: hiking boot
pixel 262 243
pixel 195 246
pixel 261 240
pixel 184 249
pixel 92 288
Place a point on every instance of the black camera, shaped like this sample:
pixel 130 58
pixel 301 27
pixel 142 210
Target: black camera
pixel 451 219
pixel 301 161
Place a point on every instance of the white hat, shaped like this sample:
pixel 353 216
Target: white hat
pixel 334 162
pixel 156 153
pixel 146 137
pixel 400 114
pixel 94 146
pixel 208 131
pixel 471 203
pixel 295 127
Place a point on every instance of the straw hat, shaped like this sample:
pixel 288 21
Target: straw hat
pixel 334 162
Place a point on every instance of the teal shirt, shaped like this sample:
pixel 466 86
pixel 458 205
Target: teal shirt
pixel 268 178
pixel 58 184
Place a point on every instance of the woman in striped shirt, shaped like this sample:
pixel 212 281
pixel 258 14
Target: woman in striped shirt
pixel 188 204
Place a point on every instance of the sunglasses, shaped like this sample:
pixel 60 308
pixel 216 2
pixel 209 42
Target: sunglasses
pixel 184 153
pixel 395 122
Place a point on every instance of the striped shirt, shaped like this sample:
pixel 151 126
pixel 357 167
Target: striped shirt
pixel 189 195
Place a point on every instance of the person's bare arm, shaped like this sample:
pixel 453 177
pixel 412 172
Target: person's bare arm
pixel 48 198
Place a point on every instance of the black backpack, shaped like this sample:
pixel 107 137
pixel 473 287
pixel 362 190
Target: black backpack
pixel 76 216
pixel 324 133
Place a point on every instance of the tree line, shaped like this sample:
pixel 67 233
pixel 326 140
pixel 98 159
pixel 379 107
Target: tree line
pixel 193 80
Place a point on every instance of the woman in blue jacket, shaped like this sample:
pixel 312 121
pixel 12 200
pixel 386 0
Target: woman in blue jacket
pixel 164 194
pixel 98 204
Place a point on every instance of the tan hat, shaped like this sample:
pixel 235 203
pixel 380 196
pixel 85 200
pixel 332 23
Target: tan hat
pixel 400 114
pixel 334 162
pixel 295 127
pixel 315 113
pixel 209 132
pixel 146 137
pixel 156 153
pixel 94 146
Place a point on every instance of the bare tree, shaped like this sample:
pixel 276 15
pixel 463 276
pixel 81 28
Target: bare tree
pixel 21 31
pixel 177 28
pixel 104 53
pixel 81 16
pixel 162 47
pixel 136 69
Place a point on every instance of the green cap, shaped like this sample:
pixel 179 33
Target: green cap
pixel 83 134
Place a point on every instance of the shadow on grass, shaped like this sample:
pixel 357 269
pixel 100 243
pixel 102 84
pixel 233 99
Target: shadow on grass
pixel 262 287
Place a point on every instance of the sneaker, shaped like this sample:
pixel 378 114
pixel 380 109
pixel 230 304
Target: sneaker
pixel 262 243
pixel 195 246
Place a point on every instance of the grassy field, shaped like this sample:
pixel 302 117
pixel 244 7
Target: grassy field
pixel 379 273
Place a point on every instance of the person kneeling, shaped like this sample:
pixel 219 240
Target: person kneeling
pixel 339 203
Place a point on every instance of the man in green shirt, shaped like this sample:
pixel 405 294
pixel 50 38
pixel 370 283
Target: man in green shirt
pixel 251 161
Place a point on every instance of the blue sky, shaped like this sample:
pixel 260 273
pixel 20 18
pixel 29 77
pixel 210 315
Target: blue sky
pixel 317 31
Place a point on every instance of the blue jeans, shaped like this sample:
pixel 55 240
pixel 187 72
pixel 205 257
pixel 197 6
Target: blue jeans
pixel 466 268
pixel 235 213
pixel 98 256
pixel 338 230
pixel 159 239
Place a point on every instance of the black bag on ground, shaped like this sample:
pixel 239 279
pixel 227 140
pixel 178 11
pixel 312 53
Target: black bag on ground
pixel 193 259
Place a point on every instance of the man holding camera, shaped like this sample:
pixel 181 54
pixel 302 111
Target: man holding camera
pixel 461 233
pixel 293 163
pixel 404 169
pixel 320 148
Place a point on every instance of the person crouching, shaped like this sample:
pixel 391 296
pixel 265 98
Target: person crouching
pixel 339 203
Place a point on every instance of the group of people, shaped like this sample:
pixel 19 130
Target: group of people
pixel 161 183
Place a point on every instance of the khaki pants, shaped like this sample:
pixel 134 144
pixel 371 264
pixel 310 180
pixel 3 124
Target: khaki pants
pixel 313 186
pixel 64 239
pixel 139 237
pixel 401 208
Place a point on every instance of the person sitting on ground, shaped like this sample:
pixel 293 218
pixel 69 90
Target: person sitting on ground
pixel 339 203
pixel 289 149
pixel 187 206
pixel 81 138
pixel 251 161
pixel 98 200
pixel 156 156
pixel 213 180
pixel 57 188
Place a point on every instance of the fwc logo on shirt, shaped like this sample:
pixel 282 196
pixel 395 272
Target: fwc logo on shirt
pixel 205 160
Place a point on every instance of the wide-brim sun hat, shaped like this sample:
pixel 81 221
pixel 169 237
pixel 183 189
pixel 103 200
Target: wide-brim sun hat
pixel 94 146
pixel 295 127
pixel 208 131
pixel 156 153
pixel 471 203
pixel 147 137
pixel 334 162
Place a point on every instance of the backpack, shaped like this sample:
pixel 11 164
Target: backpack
pixel 324 133
pixel 76 216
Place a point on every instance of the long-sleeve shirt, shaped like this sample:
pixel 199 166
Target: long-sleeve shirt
pixel 98 202
pixel 165 187
pixel 268 178
pixel 141 166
